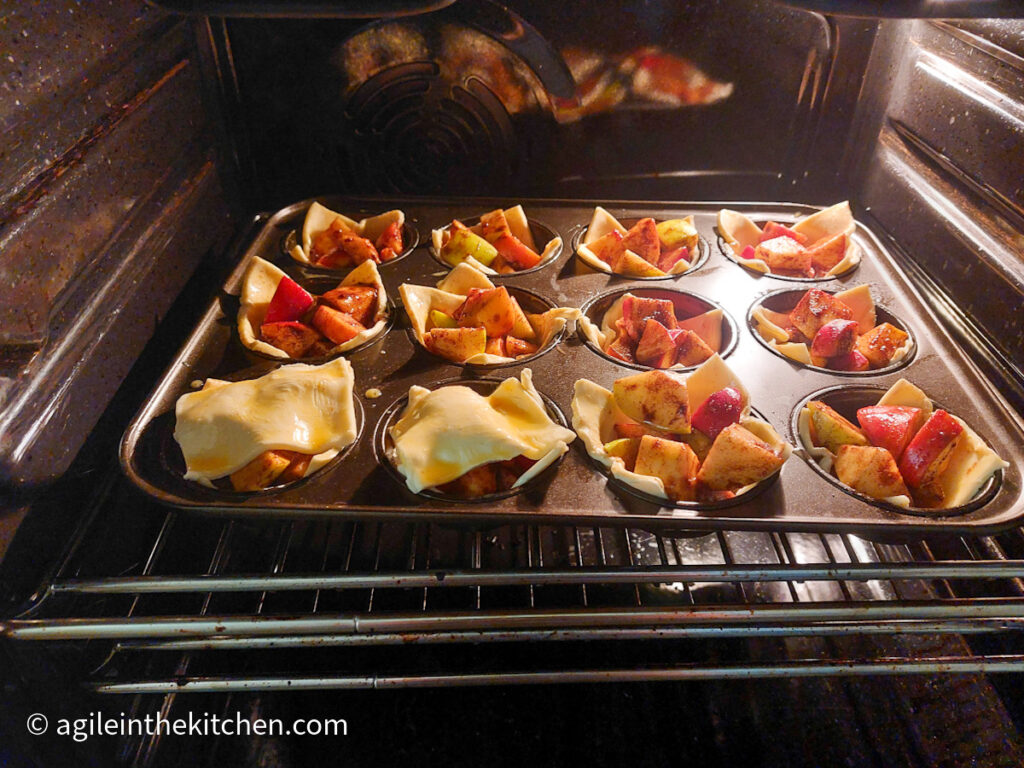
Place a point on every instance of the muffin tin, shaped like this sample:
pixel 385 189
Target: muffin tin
pixel 577 493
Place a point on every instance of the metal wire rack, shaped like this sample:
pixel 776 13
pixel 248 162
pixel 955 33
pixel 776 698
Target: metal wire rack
pixel 155 601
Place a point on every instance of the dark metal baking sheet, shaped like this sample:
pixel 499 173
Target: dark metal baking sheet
pixel 578 493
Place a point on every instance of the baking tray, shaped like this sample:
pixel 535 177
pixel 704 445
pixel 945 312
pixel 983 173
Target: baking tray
pixel 577 493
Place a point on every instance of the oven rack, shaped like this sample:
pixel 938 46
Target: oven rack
pixel 148 600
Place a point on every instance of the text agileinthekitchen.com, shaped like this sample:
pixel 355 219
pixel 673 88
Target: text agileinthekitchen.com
pixel 98 724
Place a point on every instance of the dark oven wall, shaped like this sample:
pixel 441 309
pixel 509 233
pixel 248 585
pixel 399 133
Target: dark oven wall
pixel 740 99
pixel 111 194
pixel 937 163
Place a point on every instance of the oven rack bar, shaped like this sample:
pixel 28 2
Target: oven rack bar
pixel 832 629
pixel 674 673
pixel 584 575
pixel 1005 613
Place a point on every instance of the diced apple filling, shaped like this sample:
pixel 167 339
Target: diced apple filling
pixel 489 321
pixel 649 248
pixel 790 253
pixel 826 325
pixel 492 244
pixel 338 246
pixel 495 477
pixel 706 458
pixel 651 332
pixel 896 452
pixel 270 468
pixel 307 326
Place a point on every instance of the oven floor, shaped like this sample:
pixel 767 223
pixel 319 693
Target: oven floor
pixel 904 722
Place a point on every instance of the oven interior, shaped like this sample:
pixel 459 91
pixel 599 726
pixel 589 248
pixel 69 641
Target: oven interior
pixel 145 143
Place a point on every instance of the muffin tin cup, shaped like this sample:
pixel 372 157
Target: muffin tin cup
pixel 623 487
pixel 389 321
pixel 703 252
pixel 157 445
pixel 846 399
pixel 542 235
pixel 359 487
pixel 784 299
pixel 529 302
pixel 727 251
pixel 384 447
pixel 690 303
pixel 410 239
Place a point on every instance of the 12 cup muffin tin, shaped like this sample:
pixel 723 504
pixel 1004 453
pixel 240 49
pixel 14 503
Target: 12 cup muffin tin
pixel 575 490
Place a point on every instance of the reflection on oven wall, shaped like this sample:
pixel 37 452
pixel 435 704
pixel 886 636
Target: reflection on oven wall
pixel 672 101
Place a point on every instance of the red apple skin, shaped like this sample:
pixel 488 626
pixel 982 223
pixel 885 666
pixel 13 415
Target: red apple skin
pixel 718 411
pixel 851 361
pixel 669 259
pixel 890 426
pixel 289 303
pixel 928 446
pixel 516 253
pixel 834 338
pixel 772 230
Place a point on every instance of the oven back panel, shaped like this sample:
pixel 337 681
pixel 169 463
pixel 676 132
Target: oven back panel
pixel 431 104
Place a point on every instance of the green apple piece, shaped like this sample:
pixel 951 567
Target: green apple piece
pixel 624 448
pixel 464 244
pixel 439 319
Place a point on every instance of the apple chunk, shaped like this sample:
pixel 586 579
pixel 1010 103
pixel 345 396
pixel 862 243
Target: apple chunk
pixel 456 344
pixel 624 448
pixel 830 429
pixel 784 253
pixel 359 301
pixel 643 240
pixel 851 361
pixel 655 397
pixel 292 337
pixel 677 233
pixel 879 345
pixel 869 470
pixel 815 309
pixel 261 472
pixel 490 308
pixel 656 347
pixel 834 338
pixel 825 254
pixel 673 462
pixel 289 302
pixel 337 326
pixel 690 348
pixel 890 426
pixel 636 310
pixel 737 458
pixel 718 411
